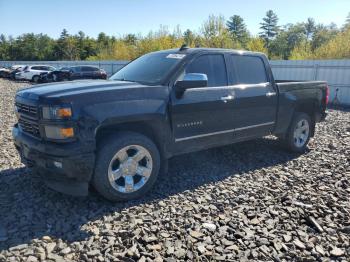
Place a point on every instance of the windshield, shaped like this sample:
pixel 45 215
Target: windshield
pixel 148 69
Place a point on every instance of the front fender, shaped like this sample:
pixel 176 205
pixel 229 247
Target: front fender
pixel 144 116
pixel 117 112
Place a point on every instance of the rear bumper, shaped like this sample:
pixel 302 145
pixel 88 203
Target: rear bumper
pixel 63 168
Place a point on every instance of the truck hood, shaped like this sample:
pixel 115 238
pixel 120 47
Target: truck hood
pixel 85 92
pixel 56 90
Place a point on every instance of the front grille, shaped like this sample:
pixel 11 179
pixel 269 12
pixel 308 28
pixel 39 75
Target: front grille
pixel 28 110
pixel 29 127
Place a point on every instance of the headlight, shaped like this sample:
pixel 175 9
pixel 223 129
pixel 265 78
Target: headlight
pixel 57 112
pixel 59 133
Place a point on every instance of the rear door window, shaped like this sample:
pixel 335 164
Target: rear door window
pixel 87 69
pixel 95 69
pixel 213 65
pixel 249 69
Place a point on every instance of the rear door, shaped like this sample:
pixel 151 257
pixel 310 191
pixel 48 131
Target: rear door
pixel 87 72
pixel 200 118
pixel 34 70
pixel 255 100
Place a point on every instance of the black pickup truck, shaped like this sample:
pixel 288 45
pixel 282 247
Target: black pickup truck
pixel 118 134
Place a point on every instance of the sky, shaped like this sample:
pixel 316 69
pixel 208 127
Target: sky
pixel 120 17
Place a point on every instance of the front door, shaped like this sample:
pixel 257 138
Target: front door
pixel 201 117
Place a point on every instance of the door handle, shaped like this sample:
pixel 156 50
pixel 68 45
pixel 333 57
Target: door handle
pixel 269 94
pixel 227 98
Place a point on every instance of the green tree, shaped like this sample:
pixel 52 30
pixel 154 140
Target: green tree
pixel 323 34
pixel 310 26
pixel 86 46
pixel 238 29
pixel 347 22
pixel 301 51
pixel 189 37
pixel 31 47
pixel 215 33
pixel 287 39
pixel 336 48
pixel 67 47
pixel 269 28
pixel 4 48
pixel 256 44
pixel 130 39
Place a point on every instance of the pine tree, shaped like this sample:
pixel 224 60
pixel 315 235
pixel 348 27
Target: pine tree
pixel 269 28
pixel 64 34
pixel 310 27
pixel 189 37
pixel 347 22
pixel 238 29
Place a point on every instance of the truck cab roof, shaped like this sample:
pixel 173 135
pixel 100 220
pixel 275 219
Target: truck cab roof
pixel 196 50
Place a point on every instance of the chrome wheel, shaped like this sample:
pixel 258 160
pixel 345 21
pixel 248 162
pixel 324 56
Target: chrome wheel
pixel 301 133
pixel 130 168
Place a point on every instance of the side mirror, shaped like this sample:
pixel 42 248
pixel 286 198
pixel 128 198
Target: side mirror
pixel 191 80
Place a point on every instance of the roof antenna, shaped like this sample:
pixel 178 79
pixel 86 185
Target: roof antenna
pixel 183 47
pixel 198 46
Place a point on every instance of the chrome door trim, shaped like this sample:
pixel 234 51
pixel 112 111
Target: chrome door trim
pixel 223 132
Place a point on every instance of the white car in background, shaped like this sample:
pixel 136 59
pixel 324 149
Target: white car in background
pixel 32 72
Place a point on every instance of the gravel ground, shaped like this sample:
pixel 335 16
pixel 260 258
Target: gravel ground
pixel 250 201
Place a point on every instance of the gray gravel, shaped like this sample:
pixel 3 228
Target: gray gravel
pixel 250 201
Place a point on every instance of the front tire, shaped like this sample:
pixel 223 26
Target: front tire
pixel 35 79
pixel 299 133
pixel 127 166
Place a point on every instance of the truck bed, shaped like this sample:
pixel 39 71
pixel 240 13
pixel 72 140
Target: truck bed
pixel 287 85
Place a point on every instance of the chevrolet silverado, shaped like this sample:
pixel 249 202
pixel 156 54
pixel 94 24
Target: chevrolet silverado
pixel 118 134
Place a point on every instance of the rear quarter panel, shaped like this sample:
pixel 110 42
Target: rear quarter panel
pixel 299 96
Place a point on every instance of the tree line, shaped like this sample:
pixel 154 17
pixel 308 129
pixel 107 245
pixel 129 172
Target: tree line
pixel 304 40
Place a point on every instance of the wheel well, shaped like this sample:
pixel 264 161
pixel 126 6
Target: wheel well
pixel 140 127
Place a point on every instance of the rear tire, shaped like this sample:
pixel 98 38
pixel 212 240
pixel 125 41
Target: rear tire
pixel 299 133
pixel 127 166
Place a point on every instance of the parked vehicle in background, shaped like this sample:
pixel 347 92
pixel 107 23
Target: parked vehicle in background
pixel 9 72
pixel 4 72
pixel 60 74
pixel 32 72
pixel 73 73
pixel 13 73
pixel 118 134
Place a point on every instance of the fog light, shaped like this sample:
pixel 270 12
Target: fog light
pixel 56 132
pixel 57 164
